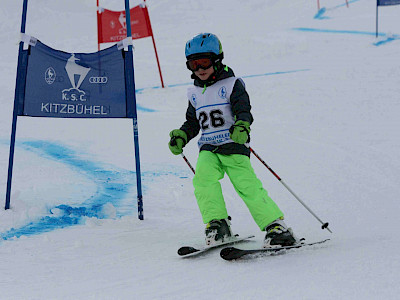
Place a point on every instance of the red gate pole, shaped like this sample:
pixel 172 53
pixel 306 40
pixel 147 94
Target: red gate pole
pixel 149 29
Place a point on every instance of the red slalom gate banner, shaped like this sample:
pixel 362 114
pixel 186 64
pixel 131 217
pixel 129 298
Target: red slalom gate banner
pixel 112 24
pixel 111 27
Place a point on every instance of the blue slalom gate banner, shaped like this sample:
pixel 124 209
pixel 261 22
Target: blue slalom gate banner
pixel 383 3
pixel 74 85
pixel 53 83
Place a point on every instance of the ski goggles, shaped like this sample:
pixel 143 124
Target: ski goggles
pixel 196 64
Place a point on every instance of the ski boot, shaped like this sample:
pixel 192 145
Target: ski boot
pixel 218 231
pixel 278 235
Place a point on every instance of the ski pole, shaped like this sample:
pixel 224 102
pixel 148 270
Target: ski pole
pixel 173 143
pixel 324 225
pixel 188 163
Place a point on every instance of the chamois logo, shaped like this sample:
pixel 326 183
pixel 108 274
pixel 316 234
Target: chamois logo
pixel 76 74
pixel 122 20
pixel 222 92
pixel 50 75
pixel 194 99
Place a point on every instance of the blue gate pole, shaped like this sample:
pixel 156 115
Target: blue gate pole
pixel 15 111
pixel 376 18
pixel 131 93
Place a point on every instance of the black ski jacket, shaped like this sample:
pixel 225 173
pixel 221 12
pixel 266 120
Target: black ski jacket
pixel 240 105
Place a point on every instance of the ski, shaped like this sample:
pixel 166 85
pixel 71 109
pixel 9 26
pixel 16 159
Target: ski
pixel 231 253
pixel 188 251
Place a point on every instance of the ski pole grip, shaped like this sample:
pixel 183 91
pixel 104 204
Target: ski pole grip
pixel 173 141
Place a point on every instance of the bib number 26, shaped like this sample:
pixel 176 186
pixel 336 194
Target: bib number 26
pixel 214 119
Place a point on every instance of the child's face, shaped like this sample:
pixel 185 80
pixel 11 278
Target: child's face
pixel 204 74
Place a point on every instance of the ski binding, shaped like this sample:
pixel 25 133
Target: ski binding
pixel 188 251
pixel 231 253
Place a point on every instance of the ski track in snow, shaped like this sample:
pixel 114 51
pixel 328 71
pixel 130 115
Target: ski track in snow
pixel 112 187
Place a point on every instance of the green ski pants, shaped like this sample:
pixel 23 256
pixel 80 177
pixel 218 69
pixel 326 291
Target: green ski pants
pixel 211 168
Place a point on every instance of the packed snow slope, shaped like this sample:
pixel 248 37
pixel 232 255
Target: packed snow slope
pixel 325 97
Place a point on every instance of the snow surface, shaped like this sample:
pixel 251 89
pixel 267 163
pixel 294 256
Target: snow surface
pixel 325 96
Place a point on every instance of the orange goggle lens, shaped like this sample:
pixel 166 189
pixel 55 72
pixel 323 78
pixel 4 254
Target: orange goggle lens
pixel 196 64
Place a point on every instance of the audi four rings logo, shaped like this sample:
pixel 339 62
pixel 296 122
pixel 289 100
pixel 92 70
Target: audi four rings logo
pixel 98 80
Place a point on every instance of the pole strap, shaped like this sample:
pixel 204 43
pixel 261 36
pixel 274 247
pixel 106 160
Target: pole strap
pixel 125 43
pixel 28 39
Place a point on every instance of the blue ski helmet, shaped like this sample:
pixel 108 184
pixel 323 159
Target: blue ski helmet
pixel 203 43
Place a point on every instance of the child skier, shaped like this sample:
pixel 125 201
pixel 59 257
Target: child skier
pixel 219 106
